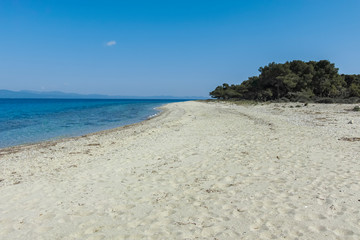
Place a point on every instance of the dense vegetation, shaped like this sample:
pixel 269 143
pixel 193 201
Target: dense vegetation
pixel 295 81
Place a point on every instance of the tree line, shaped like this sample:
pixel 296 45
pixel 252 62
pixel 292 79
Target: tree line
pixel 294 81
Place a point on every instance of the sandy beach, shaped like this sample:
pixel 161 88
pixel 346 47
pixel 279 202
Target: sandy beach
pixel 198 171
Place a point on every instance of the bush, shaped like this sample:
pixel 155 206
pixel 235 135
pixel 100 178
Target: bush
pixel 282 100
pixel 356 108
pixel 353 100
pixel 325 100
pixel 302 97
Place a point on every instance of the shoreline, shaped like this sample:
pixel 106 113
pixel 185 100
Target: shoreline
pixel 44 143
pixel 50 121
pixel 198 170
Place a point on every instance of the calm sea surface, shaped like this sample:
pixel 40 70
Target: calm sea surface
pixel 33 120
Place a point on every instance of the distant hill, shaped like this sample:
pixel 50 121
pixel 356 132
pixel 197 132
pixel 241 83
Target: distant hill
pixel 34 94
pixel 62 95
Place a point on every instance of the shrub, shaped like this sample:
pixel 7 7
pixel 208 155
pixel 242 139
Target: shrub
pixel 283 100
pixel 325 100
pixel 353 100
pixel 356 108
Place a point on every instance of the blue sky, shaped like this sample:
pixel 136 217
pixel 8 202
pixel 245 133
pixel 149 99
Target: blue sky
pixel 178 48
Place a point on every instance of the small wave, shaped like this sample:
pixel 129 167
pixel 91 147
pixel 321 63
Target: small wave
pixel 152 116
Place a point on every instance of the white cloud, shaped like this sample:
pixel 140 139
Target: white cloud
pixel 111 43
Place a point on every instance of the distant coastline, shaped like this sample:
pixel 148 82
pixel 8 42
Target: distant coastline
pixel 62 95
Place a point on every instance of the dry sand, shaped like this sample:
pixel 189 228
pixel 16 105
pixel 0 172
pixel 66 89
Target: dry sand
pixel 197 171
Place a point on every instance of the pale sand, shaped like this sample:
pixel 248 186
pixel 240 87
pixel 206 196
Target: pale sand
pixel 198 171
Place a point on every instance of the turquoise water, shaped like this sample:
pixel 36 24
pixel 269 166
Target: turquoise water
pixel 33 120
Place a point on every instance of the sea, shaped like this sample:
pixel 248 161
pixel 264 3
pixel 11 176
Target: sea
pixel 24 121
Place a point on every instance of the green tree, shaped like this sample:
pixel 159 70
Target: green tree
pixel 294 80
pixel 354 90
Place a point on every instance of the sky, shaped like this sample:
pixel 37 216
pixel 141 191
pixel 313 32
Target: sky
pixel 171 48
